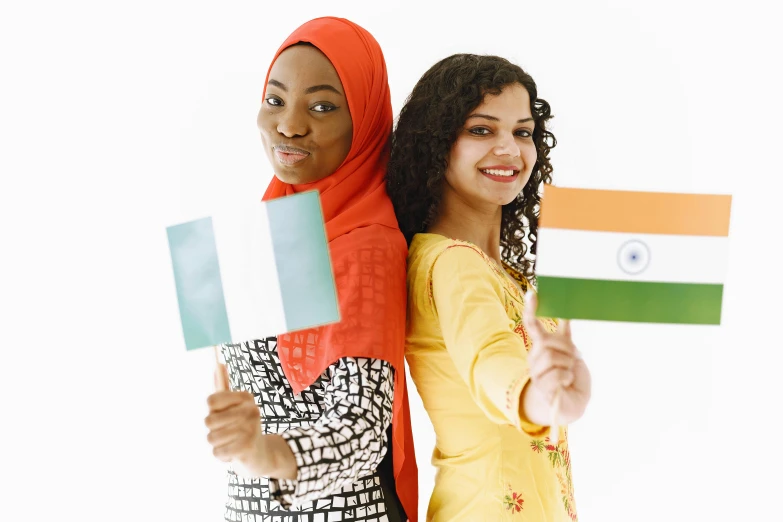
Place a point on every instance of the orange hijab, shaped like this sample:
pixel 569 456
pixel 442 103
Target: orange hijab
pixel 368 251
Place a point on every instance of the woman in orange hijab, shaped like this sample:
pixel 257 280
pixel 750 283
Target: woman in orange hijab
pixel 316 423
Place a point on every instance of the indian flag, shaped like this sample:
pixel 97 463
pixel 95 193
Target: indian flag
pixel 253 271
pixel 632 256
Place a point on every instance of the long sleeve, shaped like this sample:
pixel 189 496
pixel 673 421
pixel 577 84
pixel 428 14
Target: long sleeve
pixel 348 441
pixel 479 335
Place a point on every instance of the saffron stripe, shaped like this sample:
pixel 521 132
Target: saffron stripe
pixel 640 212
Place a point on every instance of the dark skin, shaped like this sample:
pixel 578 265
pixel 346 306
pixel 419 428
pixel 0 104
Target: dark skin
pixel 305 108
pixel 306 129
pixel 234 424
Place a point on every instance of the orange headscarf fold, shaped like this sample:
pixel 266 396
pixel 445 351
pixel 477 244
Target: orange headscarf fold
pixel 367 249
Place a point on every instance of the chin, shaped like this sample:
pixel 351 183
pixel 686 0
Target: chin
pixel 287 178
pixel 506 200
pixel 297 177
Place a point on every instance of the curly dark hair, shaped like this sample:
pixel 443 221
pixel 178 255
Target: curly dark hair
pixel 427 127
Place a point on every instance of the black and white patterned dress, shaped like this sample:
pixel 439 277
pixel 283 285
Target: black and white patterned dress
pixel 339 429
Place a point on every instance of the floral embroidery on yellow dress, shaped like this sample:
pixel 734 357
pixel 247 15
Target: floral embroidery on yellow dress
pixel 560 459
pixel 513 500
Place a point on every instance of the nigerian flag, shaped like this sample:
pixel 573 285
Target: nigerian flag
pixel 253 271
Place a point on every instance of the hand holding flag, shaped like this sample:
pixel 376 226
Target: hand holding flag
pixel 234 423
pixel 235 433
pixel 559 379
pixel 227 291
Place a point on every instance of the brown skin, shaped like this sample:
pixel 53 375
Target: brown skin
pixel 499 133
pixel 304 109
pixel 317 122
pixel 554 363
pixel 470 208
pixel 234 423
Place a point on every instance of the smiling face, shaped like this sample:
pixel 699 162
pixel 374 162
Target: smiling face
pixel 305 124
pixel 494 154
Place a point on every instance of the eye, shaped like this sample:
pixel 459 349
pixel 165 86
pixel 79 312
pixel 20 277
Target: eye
pixel 479 131
pixel 524 133
pixel 322 107
pixel 274 101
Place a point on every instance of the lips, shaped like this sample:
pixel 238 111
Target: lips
pixel 501 173
pixel 290 155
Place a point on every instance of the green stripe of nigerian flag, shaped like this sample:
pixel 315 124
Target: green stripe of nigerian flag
pixel 634 301
pixel 302 259
pixel 202 305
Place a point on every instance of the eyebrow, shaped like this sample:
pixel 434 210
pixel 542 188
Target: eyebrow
pixel 309 90
pixel 492 118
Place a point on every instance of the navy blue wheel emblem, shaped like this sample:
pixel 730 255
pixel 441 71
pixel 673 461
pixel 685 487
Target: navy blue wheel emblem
pixel 633 257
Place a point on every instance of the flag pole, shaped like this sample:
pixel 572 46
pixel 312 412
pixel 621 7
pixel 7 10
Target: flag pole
pixel 220 383
pixel 554 429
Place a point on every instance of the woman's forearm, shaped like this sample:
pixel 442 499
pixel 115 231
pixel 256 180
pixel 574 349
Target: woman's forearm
pixel 533 407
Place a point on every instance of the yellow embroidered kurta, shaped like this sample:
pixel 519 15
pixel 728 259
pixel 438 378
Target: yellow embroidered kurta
pixel 467 352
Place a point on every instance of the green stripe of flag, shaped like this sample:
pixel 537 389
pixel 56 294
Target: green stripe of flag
pixel 597 299
pixel 202 306
pixel 302 258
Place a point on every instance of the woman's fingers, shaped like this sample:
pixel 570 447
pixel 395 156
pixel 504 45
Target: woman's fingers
pixel 223 400
pixel 553 379
pixel 531 322
pixel 564 328
pixel 226 435
pixel 237 448
pixel 551 359
pixel 244 411
pixel 549 342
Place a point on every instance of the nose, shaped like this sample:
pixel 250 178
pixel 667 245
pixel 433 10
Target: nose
pixel 506 145
pixel 291 123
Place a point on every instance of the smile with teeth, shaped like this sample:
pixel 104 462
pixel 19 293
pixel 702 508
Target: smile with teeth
pixel 500 172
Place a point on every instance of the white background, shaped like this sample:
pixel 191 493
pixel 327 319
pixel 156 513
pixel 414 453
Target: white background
pixel 120 118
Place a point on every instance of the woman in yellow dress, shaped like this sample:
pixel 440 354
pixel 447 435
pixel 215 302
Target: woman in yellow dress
pixel 469 156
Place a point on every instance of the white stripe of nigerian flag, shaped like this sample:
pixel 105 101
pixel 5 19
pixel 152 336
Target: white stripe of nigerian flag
pixel 250 280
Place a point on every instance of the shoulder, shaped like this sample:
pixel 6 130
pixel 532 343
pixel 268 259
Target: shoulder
pixel 427 250
pixel 378 238
pixel 375 245
pixel 438 260
pixel 523 281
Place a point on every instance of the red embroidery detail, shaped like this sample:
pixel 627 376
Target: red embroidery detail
pixel 513 501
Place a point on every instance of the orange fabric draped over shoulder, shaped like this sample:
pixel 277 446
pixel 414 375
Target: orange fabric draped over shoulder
pixel 368 251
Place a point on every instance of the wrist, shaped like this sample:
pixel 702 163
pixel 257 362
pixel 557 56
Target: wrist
pixel 274 458
pixel 255 462
pixel 532 406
